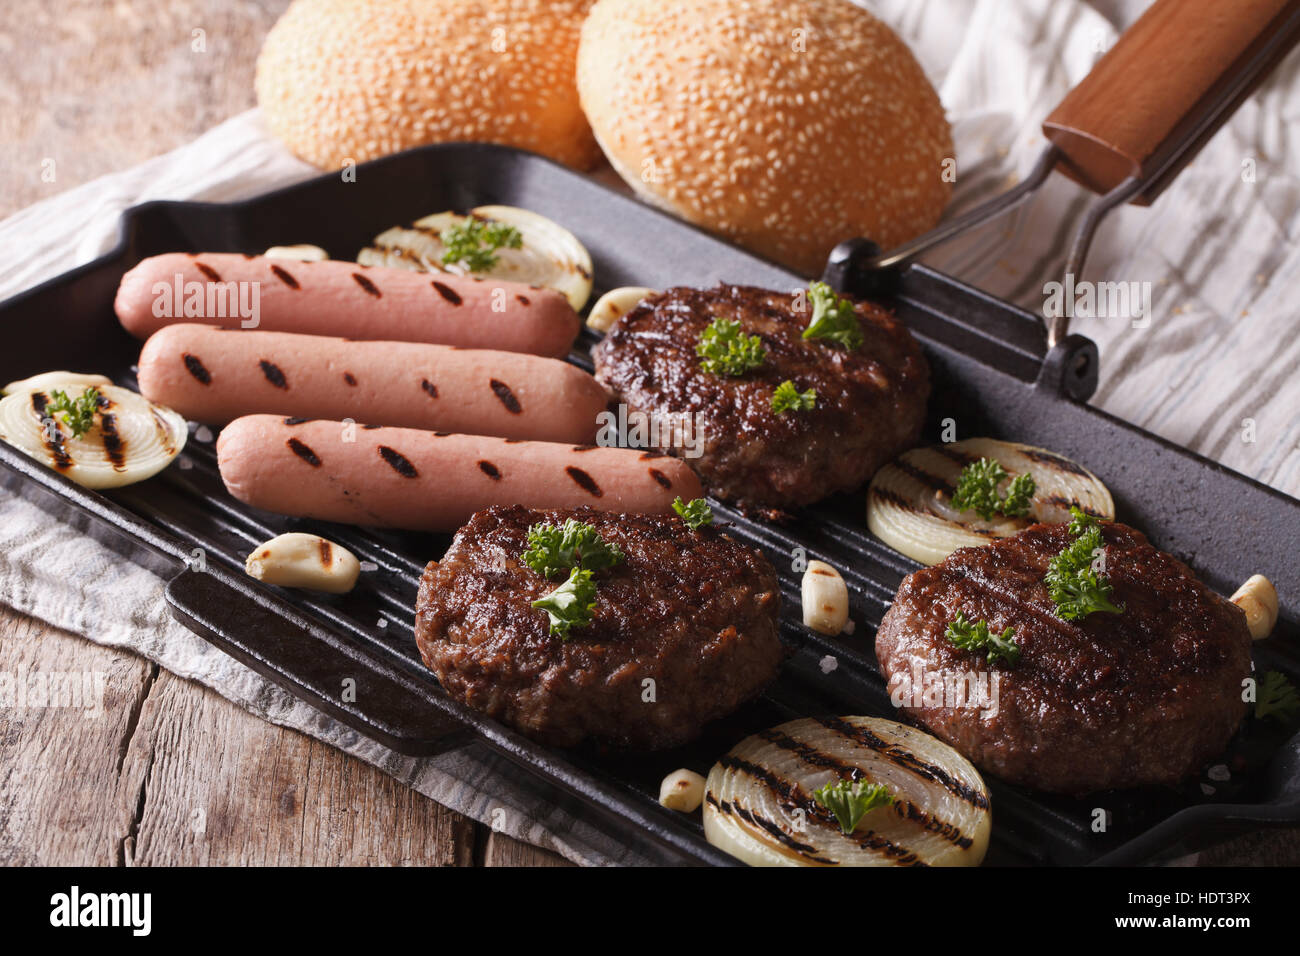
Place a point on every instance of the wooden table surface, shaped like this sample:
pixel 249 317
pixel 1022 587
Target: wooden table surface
pixel 172 773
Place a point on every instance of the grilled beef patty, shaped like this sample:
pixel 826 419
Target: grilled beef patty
pixel 1109 701
pixel 870 402
pixel 694 611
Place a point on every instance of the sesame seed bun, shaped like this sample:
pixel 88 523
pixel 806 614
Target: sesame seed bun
pixel 356 79
pixel 784 125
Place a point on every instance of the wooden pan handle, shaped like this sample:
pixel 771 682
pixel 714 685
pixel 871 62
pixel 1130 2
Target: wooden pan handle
pixel 1167 85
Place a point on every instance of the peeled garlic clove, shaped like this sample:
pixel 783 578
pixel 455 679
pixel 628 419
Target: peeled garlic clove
pixel 615 304
pixel 299 253
pixel 130 438
pixel 550 256
pixel 1258 599
pixel 48 381
pixel 300 560
pixel 825 598
pixel 682 790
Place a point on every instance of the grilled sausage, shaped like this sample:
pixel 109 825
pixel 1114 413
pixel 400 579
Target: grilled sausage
pixel 345 299
pixel 216 375
pixel 432 481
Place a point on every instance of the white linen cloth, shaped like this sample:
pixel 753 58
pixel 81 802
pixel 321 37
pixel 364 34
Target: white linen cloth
pixel 1219 350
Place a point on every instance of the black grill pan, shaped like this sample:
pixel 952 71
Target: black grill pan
pixel 993 376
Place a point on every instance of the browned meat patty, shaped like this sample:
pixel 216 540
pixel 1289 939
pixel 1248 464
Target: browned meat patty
pixel 1110 701
pixel 870 402
pixel 694 611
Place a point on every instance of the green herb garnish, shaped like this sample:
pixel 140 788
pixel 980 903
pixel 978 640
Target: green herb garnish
pixel 474 242
pixel 977 490
pixel 726 351
pixel 1076 587
pixel 977 637
pixel 788 397
pixel 1276 698
pixel 833 318
pixel 77 414
pixel 696 513
pixel 557 549
pixel 570 605
pixel 851 800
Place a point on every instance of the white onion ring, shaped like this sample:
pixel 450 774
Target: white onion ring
pixel 550 257
pixel 131 439
pixel 759 805
pixel 909 505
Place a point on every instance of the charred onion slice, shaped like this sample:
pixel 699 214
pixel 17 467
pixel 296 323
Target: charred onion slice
pixel 550 257
pixel 909 501
pixel 759 804
pixel 130 440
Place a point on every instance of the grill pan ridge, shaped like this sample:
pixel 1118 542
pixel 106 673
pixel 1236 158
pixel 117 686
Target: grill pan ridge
pixel 992 375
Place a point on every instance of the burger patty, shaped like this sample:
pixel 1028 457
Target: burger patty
pixel 1143 697
pixel 694 612
pixel 870 401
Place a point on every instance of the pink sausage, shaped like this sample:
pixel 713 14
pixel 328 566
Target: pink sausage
pixel 343 299
pixel 431 481
pixel 214 375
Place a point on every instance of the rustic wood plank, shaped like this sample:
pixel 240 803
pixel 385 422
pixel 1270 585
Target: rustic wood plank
pixel 171 773
pixel 503 850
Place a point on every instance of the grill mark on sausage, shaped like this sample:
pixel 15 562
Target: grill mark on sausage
pixel 651 453
pixel 398 462
pixel 817 758
pixel 584 447
pixel 368 428
pixel 273 374
pixel 585 481
pixel 447 292
pixel 903 758
pixel 369 287
pixel 521 298
pixel 283 275
pixel 295 421
pixel 506 396
pixel 195 368
pixel 660 477
pixel 114 444
pixel 208 271
pixel 430 389
pixel 326 552
pixel 303 451
pixel 489 469
pixel 349 378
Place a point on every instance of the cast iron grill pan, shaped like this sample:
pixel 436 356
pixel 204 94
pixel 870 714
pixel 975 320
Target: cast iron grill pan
pixel 990 375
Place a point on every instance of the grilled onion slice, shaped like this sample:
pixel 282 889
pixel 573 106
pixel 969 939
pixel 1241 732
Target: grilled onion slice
pixel 908 503
pixel 551 256
pixel 759 804
pixel 130 440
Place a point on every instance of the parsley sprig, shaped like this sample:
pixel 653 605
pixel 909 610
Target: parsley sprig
pixel 833 318
pixel 1076 587
pixel 575 547
pixel 474 242
pixel 725 350
pixel 555 549
pixel 851 800
pixel 976 636
pixel 695 513
pixel 571 604
pixel 977 490
pixel 787 397
pixel 78 414
pixel 1276 698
